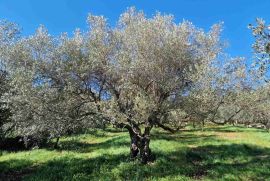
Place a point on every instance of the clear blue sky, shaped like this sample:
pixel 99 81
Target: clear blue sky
pixel 66 15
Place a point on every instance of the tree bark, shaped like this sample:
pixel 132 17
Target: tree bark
pixel 140 148
pixel 139 143
pixel 134 145
pixel 56 143
pixel 145 151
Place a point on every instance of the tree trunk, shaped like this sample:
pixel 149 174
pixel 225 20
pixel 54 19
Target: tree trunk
pixel 145 151
pixel 134 145
pixel 56 143
pixel 139 144
pixel 203 124
pixel 140 148
pixel 193 124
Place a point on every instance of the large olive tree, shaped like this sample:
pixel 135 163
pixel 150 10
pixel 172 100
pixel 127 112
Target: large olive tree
pixel 135 75
pixel 148 65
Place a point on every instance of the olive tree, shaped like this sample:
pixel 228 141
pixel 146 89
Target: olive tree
pixel 135 75
pixel 8 32
pixel 214 94
pixel 148 64
pixel 261 49
pixel 5 122
pixel 47 98
pixel 260 69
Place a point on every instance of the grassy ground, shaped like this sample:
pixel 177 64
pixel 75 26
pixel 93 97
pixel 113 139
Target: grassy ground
pixel 217 153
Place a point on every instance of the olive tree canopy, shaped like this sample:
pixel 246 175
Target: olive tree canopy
pixel 135 75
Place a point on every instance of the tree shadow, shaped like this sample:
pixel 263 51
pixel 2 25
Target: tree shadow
pixel 115 130
pixel 226 128
pixel 212 161
pixel 65 168
pixel 186 138
pixel 205 162
pixel 123 141
pixel 15 169
pixel 85 147
pixel 240 160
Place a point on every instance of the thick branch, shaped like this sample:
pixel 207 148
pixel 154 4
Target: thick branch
pixel 166 128
pixel 229 119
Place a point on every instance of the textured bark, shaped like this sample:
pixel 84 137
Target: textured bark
pixel 140 143
pixel 134 146
pixel 140 148
pixel 145 151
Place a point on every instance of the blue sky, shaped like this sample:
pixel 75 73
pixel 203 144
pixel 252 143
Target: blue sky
pixel 66 15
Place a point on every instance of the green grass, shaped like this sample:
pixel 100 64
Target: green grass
pixel 217 153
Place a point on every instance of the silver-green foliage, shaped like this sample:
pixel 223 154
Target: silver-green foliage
pixel 135 75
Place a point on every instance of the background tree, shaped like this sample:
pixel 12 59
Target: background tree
pixel 8 33
pixel 213 94
pixel 260 69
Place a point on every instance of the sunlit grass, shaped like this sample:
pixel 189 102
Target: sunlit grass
pixel 217 153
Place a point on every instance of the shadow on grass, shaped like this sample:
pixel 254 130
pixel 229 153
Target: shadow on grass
pixel 85 147
pixel 237 161
pixel 123 141
pixel 226 129
pixel 184 138
pixel 195 163
pixel 233 161
pixel 115 130
pixel 15 169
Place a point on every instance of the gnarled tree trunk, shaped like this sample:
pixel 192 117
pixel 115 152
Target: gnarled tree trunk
pixel 140 148
pixel 145 151
pixel 140 143
pixel 134 145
